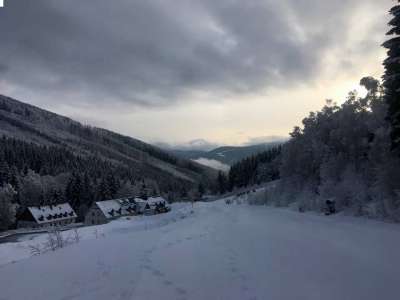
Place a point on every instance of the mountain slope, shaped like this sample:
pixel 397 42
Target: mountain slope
pixel 32 124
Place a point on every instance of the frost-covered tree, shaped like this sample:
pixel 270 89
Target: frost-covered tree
pixel 127 189
pixel 31 190
pixel 7 208
pixel 222 182
pixel 392 76
pixel 343 153
pixel 262 167
pixel 201 190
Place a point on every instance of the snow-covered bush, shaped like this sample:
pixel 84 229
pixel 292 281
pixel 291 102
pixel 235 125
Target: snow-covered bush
pixel 55 240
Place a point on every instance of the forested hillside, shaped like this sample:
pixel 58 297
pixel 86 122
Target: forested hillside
pixel 229 155
pixel 342 153
pixel 256 169
pixel 46 158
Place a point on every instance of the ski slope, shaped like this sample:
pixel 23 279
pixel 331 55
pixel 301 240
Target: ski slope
pixel 218 252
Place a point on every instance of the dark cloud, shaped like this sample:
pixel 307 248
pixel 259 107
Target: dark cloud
pixel 3 68
pixel 157 52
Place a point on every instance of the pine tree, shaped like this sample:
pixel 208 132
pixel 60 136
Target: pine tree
pixel 201 190
pixel 112 184
pixel 392 76
pixel 73 192
pixel 7 209
pixel 5 172
pixel 222 182
pixel 87 190
pixel 103 190
pixel 143 192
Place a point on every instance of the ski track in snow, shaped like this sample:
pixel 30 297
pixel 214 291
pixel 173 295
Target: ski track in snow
pixel 218 252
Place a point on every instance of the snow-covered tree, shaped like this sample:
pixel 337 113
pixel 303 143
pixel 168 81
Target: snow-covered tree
pixel 31 190
pixel 222 182
pixel 7 208
pixel 392 76
pixel 127 189
pixel 342 153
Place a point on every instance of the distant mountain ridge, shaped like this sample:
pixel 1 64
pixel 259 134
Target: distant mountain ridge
pixel 227 155
pixel 32 124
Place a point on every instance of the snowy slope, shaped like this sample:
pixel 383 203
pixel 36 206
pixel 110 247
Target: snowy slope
pixel 219 252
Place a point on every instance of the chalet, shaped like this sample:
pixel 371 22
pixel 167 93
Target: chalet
pixel 102 212
pixel 142 205
pixel 152 205
pixel 47 216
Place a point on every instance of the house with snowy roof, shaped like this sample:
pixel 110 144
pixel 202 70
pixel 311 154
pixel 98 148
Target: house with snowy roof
pixel 102 212
pixel 47 216
pixel 152 205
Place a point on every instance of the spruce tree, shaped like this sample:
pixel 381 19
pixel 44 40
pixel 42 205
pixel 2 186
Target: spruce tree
pixel 392 76
pixel 222 182
pixel 201 190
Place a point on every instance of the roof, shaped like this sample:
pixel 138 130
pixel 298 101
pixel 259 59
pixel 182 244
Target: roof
pixel 151 201
pixel 119 207
pixel 115 207
pixel 52 213
pixel 154 200
pixel 140 200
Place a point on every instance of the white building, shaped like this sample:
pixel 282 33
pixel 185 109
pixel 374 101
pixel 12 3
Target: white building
pixel 151 205
pixel 47 216
pixel 102 212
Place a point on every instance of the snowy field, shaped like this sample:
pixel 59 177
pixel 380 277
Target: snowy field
pixel 219 252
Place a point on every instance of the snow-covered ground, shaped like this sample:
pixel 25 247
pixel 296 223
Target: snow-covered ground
pixel 218 252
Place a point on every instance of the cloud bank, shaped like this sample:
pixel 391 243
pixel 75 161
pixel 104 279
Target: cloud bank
pixel 156 53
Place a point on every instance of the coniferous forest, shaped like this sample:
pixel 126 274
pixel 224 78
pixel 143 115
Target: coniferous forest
pixel 48 159
pixel 346 153
pixel 32 174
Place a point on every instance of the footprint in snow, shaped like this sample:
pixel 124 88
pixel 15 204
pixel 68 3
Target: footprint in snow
pixel 158 273
pixel 242 277
pixel 125 295
pixel 245 288
pixel 146 260
pixel 146 267
pixel 167 282
pixel 181 291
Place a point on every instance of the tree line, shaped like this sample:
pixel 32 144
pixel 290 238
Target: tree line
pixel 256 169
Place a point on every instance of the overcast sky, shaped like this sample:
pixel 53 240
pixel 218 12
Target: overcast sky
pixel 226 71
